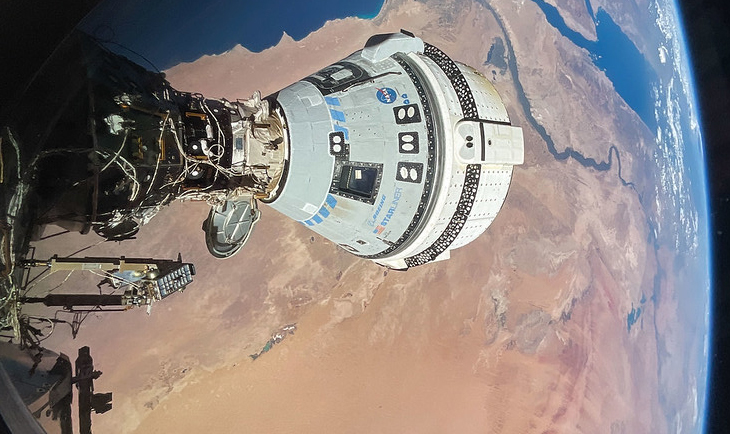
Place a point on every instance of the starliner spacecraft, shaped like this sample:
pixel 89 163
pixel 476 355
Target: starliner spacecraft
pixel 397 153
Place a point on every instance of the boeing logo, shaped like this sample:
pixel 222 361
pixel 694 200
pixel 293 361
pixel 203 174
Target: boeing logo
pixel 393 206
pixel 371 222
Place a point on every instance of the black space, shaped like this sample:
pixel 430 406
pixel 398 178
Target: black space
pixel 708 34
pixel 31 29
pixel 29 32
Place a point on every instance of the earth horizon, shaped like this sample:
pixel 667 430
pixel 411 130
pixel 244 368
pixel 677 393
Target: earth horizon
pixel 583 308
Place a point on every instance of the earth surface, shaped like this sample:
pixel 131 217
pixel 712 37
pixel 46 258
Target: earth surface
pixel 583 308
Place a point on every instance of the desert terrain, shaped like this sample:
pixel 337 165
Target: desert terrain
pixel 523 330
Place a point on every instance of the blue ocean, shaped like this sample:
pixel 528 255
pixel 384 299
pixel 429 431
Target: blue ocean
pixel 615 54
pixel 168 32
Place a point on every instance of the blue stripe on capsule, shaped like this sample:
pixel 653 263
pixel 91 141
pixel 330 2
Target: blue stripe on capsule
pixel 343 130
pixel 332 100
pixel 323 212
pixel 337 115
pixel 331 201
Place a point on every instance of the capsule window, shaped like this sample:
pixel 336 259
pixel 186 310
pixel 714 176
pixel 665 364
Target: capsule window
pixel 358 180
pixel 407 114
pixel 409 172
pixel 408 143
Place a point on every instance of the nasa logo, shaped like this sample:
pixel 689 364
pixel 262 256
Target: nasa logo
pixel 386 95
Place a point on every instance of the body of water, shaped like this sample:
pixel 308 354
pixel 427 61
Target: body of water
pixel 169 32
pixel 615 54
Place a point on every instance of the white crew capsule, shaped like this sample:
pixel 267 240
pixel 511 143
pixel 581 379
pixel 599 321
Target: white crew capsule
pixel 394 185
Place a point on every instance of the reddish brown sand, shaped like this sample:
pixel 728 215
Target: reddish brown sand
pixel 523 330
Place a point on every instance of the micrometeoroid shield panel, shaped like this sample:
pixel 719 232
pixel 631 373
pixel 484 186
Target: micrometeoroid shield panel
pixel 310 163
pixel 397 158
